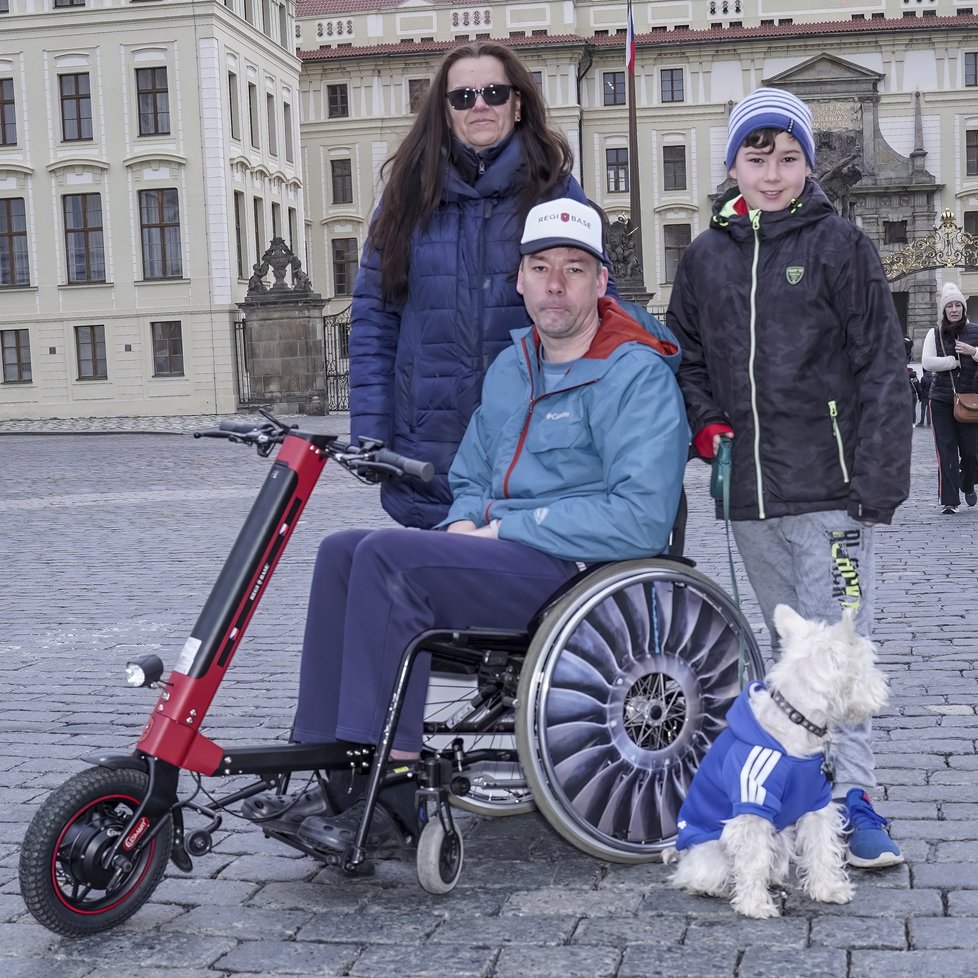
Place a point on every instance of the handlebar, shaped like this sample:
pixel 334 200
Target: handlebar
pixel 368 461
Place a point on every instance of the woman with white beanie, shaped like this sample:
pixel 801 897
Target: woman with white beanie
pixel 951 355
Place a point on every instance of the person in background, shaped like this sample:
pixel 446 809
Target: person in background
pixel 951 353
pixel 792 346
pixel 924 382
pixel 436 298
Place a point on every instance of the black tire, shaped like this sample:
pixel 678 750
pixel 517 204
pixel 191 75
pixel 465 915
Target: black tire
pixel 439 859
pixel 626 683
pixel 62 878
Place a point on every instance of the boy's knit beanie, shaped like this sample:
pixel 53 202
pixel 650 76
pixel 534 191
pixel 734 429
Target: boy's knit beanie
pixel 770 108
pixel 951 293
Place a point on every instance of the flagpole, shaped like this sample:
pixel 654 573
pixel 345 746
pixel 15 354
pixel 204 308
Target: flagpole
pixel 634 184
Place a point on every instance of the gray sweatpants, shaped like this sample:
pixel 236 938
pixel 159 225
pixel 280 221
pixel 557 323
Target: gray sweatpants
pixel 818 564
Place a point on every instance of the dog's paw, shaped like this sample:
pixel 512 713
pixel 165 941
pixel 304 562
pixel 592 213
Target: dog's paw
pixel 839 892
pixel 758 909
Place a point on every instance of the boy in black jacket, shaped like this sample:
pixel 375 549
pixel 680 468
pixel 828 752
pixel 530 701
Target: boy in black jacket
pixel 792 347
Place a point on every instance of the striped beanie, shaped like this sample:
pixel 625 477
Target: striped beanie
pixel 770 108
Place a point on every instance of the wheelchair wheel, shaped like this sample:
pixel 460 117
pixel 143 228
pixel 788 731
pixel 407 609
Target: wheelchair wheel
pixel 439 859
pixel 625 685
pixel 492 784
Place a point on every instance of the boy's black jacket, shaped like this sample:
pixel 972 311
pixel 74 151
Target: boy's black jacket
pixel 811 374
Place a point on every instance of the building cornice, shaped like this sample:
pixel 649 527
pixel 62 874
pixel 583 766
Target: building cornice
pixel 142 159
pixel 77 161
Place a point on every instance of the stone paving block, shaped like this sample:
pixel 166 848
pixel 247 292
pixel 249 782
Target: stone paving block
pixel 667 901
pixel 519 876
pixel 429 962
pixel 954 852
pixel 243 923
pixel 911 964
pixel 268 867
pixel 817 962
pixel 844 931
pixel 403 929
pixel 26 936
pixel 276 958
pixel 579 902
pixel 875 901
pixel 944 875
pixel 743 932
pixel 196 892
pixel 147 950
pixel 624 931
pixel 479 931
pixel 459 901
pixel 317 897
pixel 943 932
pixel 655 961
pixel 517 961
pixel 48 967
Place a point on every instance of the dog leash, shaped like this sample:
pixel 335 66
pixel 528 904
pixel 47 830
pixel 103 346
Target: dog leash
pixel 720 491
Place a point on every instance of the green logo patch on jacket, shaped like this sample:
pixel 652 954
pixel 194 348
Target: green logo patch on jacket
pixel 794 274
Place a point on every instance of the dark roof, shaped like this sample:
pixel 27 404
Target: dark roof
pixel 654 39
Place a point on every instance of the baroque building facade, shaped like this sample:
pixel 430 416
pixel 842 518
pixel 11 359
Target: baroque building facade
pixel 151 149
pixel 148 151
pixel 893 85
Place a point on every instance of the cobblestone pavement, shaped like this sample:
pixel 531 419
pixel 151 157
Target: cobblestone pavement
pixel 109 546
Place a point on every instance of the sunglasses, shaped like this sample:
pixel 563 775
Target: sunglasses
pixel 464 98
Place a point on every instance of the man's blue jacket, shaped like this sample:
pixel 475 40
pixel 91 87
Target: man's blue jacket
pixel 591 471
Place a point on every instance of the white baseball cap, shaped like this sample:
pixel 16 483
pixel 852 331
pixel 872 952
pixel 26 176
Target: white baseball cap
pixel 562 223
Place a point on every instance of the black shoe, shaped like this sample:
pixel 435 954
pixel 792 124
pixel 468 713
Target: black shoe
pixel 285 813
pixel 971 498
pixel 949 510
pixel 337 832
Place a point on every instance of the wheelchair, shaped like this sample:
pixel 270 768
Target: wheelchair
pixel 597 714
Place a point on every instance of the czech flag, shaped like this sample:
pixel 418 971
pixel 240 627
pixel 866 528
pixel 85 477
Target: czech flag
pixel 630 42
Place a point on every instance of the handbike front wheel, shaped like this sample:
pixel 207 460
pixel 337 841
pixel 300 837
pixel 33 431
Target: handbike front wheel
pixel 65 878
pixel 626 683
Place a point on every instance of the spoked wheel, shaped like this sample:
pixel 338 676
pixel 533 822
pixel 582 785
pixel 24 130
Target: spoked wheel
pixel 626 683
pixel 491 786
pixel 65 877
pixel 440 857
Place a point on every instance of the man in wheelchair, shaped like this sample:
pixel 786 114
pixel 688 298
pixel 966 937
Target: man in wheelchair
pixel 575 456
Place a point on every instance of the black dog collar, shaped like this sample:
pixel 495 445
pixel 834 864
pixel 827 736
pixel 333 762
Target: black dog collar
pixel 796 716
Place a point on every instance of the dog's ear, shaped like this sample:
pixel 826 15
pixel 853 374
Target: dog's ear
pixel 787 620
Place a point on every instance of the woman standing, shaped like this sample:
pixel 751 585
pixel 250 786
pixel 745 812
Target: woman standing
pixel 436 296
pixel 951 355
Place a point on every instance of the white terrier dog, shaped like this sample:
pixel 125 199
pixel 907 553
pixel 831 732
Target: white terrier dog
pixel 760 798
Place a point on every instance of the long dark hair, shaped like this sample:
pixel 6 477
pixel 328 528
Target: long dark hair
pixel 414 185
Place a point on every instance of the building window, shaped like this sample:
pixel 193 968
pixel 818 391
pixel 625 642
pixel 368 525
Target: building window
pixel 289 145
pixel 971 152
pixel 266 18
pixel 337 102
pixel 253 114
pixel 159 220
pixel 8 118
pixel 971 68
pixel 971 222
pixel 167 349
pixel 276 220
pixel 283 26
pixel 345 265
pixel 537 77
pixel 271 120
pixel 894 232
pixel 90 348
pixel 671 85
pixel 417 90
pixel 233 105
pixel 68 3
pixel 15 345
pixel 154 101
pixel 613 83
pixel 239 230
pixel 4 6
pixel 677 237
pixel 674 167
pixel 342 173
pixel 617 161
pixel 14 268
pixel 258 212
pixel 83 237
pixel 76 107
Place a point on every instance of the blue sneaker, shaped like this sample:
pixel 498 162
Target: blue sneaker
pixel 869 846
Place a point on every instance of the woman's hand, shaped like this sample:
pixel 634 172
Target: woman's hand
pixel 965 349
pixel 460 526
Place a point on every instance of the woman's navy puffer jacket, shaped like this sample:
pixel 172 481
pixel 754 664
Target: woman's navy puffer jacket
pixel 416 369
